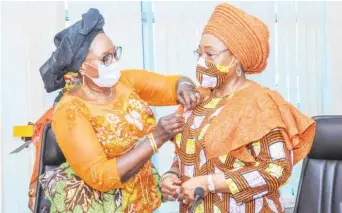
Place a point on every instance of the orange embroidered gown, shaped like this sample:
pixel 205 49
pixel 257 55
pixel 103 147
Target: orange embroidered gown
pixel 254 137
pixel 91 136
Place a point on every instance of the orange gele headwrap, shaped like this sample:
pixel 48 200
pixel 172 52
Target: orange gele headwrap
pixel 244 35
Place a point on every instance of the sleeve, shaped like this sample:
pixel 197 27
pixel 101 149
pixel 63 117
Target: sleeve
pixel 155 89
pixel 272 169
pixel 77 139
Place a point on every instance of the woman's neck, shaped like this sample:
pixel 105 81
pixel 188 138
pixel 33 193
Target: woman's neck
pixel 230 86
pixel 100 91
pixel 97 94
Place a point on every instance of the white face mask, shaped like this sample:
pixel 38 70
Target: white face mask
pixel 108 75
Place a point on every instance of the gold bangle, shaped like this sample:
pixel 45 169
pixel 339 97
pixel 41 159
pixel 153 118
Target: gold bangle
pixel 168 173
pixel 153 143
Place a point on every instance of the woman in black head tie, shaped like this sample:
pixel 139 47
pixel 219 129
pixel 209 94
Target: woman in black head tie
pixel 105 127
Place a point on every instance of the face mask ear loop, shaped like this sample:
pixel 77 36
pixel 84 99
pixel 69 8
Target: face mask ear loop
pixel 232 63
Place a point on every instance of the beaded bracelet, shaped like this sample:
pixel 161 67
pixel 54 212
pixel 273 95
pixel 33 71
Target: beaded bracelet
pixel 165 175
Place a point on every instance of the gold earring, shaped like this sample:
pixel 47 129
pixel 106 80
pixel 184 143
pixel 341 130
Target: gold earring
pixel 238 72
pixel 83 80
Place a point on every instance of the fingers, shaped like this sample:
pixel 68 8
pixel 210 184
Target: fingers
pixel 174 128
pixel 168 196
pixel 168 126
pixel 185 198
pixel 185 195
pixel 168 193
pixel 174 125
pixel 181 99
pixel 170 187
pixel 176 181
pixel 178 118
pixel 165 191
pixel 192 99
pixel 199 98
pixel 187 100
pixel 181 197
pixel 169 117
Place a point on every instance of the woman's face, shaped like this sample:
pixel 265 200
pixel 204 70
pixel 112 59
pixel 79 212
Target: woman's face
pixel 100 53
pixel 213 50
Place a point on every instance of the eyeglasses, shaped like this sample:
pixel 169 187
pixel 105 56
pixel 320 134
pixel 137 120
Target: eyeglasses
pixel 108 59
pixel 198 53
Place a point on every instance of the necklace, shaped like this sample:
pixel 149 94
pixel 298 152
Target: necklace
pixel 97 96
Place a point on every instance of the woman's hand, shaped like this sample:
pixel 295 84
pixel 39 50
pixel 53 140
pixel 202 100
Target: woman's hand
pixel 169 187
pixel 187 95
pixel 167 128
pixel 187 189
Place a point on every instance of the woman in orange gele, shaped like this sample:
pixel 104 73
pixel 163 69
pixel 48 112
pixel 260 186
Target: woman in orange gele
pixel 241 143
pixel 104 126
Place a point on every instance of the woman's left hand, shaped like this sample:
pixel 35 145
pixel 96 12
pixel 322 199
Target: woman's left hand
pixel 187 189
pixel 188 96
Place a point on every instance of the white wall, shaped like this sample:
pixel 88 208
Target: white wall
pixel 26 37
pixel 0 107
pixel 122 25
pixel 333 77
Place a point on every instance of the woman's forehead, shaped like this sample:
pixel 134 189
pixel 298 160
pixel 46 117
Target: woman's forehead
pixel 101 44
pixel 209 40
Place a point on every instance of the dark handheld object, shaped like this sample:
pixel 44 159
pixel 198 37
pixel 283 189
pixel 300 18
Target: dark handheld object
pixel 199 195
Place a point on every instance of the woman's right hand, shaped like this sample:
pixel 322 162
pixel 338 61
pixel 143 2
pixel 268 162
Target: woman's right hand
pixel 167 127
pixel 169 187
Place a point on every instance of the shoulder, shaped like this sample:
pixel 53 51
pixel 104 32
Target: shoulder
pixel 129 74
pixel 70 105
pixel 262 96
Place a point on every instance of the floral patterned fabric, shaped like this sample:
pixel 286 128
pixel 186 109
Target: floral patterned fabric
pixel 69 193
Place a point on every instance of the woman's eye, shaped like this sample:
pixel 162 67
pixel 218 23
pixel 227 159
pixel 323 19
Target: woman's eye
pixel 210 54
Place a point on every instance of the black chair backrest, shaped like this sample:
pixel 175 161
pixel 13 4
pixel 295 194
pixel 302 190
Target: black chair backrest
pixel 51 156
pixel 320 187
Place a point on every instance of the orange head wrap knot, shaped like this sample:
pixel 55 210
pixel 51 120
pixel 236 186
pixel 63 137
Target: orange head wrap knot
pixel 244 35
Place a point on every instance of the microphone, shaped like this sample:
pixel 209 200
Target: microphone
pixel 198 194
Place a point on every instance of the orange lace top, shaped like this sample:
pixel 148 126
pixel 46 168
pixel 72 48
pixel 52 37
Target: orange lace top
pixel 91 136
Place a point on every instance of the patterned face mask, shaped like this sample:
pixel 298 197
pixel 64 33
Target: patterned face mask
pixel 210 75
